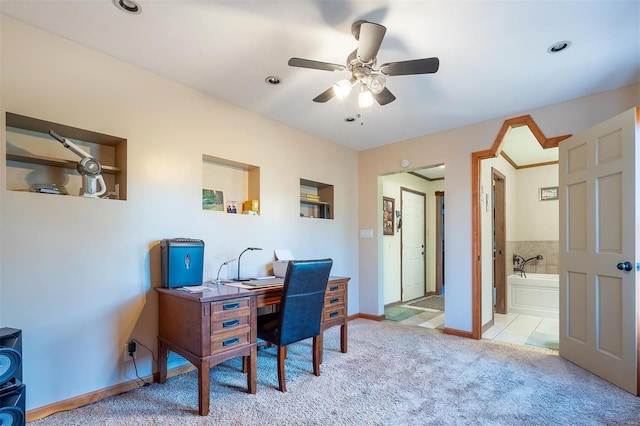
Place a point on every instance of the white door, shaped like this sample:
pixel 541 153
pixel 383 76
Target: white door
pixel 413 245
pixel 598 217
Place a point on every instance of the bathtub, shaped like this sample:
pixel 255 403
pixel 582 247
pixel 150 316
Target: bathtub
pixel 536 295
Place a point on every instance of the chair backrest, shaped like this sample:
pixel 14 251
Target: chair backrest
pixel 302 301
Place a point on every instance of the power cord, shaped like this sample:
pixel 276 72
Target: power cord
pixel 136 368
pixel 131 347
pixel 147 348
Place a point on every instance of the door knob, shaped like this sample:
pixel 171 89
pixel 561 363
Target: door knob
pixel 625 266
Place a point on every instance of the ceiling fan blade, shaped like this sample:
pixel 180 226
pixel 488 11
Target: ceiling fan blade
pixel 369 41
pixel 315 65
pixel 416 66
pixel 325 96
pixel 384 97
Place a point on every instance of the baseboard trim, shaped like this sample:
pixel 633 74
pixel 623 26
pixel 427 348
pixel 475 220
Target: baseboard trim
pixel 371 317
pixel 488 325
pixel 456 332
pixel 88 398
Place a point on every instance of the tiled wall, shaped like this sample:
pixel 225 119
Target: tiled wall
pixel 548 249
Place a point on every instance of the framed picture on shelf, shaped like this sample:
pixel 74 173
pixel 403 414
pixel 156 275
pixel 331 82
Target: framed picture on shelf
pixel 549 193
pixel 388 215
pixel 232 207
pixel 213 199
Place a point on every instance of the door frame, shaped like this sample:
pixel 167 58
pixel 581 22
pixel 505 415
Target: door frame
pixel 476 240
pixel 499 234
pixel 439 242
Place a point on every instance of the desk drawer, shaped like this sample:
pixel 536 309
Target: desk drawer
pixel 221 308
pixel 333 313
pixel 226 340
pixel 332 300
pixel 334 289
pixel 230 310
pixel 238 321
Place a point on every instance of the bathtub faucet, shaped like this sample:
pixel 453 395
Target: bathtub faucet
pixel 524 262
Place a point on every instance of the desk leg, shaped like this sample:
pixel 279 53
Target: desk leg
pixel 343 338
pixel 163 354
pixel 252 370
pixel 203 388
pixel 320 346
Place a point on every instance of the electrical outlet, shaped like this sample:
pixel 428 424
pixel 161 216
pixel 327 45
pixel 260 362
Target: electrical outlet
pixel 127 357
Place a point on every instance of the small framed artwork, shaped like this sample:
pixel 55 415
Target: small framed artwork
pixel 388 215
pixel 213 199
pixel 549 193
pixel 232 207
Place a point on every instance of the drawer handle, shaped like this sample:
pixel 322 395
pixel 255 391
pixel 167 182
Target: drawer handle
pixel 334 314
pixel 334 288
pixel 230 323
pixel 230 306
pixel 232 341
pixel 335 300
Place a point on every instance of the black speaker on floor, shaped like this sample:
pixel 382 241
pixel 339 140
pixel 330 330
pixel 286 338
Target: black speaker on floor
pixel 12 390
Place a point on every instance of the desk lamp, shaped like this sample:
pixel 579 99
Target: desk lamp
pixel 238 277
pixel 218 281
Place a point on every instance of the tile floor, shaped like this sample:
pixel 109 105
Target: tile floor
pixel 518 329
pixel 431 318
pixel 522 329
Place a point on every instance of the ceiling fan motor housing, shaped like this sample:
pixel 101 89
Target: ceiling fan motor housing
pixel 362 62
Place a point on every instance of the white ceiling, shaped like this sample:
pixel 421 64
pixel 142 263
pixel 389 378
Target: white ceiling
pixel 524 149
pixel 493 54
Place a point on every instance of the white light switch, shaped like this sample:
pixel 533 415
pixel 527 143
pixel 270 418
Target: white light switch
pixel 366 233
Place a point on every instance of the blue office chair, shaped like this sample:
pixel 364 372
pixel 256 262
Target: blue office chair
pixel 300 311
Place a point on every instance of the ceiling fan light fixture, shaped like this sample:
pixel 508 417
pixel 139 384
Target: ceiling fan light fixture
pixel 365 98
pixel 376 83
pixel 342 88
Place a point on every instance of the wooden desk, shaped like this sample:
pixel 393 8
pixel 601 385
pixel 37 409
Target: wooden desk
pixel 210 327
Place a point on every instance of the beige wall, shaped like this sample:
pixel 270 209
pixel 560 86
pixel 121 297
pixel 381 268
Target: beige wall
pixel 538 220
pixel 78 274
pixel 454 148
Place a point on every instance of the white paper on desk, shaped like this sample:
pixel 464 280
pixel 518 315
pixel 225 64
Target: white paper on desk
pixel 282 254
pixel 195 288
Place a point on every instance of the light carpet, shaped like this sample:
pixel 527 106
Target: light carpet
pixel 392 375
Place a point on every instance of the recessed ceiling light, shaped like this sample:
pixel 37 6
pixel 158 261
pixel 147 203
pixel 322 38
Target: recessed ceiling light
pixel 128 6
pixel 558 47
pixel 350 119
pixel 272 79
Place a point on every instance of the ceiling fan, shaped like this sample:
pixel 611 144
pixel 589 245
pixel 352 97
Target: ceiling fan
pixel 369 80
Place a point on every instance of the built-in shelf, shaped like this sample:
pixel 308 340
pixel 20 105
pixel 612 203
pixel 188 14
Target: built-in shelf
pixel 316 199
pixel 228 184
pixel 54 162
pixel 34 158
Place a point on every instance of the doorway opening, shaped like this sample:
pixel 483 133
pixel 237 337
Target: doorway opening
pixel 410 253
pixel 486 254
